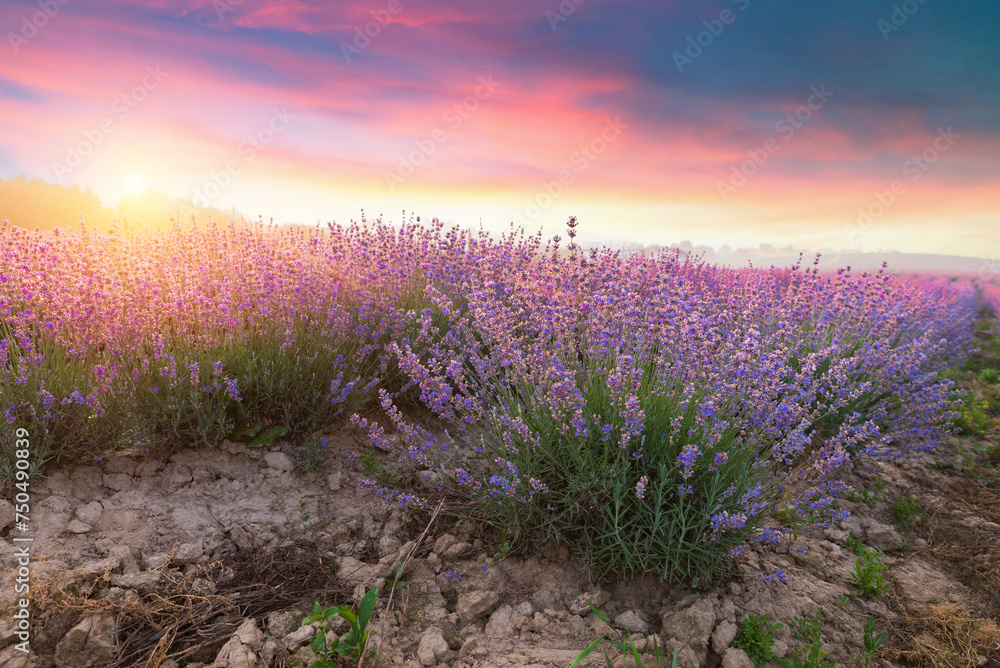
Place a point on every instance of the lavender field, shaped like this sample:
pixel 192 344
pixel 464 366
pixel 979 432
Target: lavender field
pixel 654 413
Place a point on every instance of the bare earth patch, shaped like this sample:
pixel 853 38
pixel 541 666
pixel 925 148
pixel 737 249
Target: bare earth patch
pixel 214 558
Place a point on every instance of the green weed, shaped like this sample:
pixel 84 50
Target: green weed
pixel 755 638
pixel 625 645
pixel 867 576
pixel 809 653
pixel 313 454
pixel 872 643
pixel 854 544
pixel 907 510
pixel 354 644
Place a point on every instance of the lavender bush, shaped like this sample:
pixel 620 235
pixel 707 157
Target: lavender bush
pixel 653 412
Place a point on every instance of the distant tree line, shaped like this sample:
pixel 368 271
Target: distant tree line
pixel 34 203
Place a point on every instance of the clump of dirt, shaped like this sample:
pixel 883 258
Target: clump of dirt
pixel 209 556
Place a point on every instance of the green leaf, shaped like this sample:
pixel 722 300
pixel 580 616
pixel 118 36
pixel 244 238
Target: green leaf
pixel 318 644
pixel 367 607
pixel 268 437
pixel 635 652
pixel 585 653
pixel 600 615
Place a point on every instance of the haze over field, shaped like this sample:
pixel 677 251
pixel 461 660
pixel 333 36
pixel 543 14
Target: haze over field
pixel 858 127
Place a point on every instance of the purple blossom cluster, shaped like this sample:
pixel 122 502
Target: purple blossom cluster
pixel 573 382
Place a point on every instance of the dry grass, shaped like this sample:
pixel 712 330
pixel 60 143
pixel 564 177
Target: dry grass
pixel 946 636
pixel 181 620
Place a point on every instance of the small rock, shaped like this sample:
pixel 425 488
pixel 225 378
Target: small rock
pixel 499 624
pixel 685 655
pixel 76 526
pixel 432 648
pixel 694 625
pixel 580 607
pixel 117 481
pixel 334 481
pixel 250 635
pixel 241 649
pixel 883 537
pixel 156 560
pixel 187 553
pixel 124 465
pixel 434 562
pixel 723 636
pixel 202 476
pixel 15 658
pixel 835 535
pixel 736 658
pixel 144 582
pixel 444 542
pixel 299 637
pixel 456 551
pixel 352 571
pixel 128 558
pixel 97 568
pixel 89 643
pixel 727 611
pixel 475 604
pixel 148 468
pixel 90 513
pixel 7 633
pixel 631 621
pixel 279 461
pixel 280 624
pixel 267 652
pixel 852 524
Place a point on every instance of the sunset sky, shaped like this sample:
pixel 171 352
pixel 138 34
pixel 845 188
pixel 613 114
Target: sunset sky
pixel 851 125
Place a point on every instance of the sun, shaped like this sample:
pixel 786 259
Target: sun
pixel 134 184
